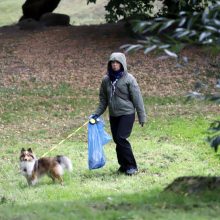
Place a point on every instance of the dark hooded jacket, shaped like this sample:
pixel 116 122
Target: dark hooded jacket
pixel 128 100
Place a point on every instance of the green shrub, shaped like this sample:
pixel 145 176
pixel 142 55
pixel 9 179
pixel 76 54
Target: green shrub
pixel 142 9
pixel 167 34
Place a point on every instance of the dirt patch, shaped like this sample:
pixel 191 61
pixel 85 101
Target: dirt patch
pixel 78 55
pixel 193 184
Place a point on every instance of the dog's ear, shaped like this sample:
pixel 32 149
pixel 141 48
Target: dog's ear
pixel 22 150
pixel 30 150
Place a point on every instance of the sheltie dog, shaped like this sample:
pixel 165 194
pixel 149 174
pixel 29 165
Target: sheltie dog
pixel 33 168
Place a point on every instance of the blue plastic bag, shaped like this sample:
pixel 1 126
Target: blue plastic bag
pixel 97 138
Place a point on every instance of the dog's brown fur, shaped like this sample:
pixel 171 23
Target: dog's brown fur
pixel 33 168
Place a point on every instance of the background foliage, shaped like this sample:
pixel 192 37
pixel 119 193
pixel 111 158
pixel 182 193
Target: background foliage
pixel 127 9
pixel 189 28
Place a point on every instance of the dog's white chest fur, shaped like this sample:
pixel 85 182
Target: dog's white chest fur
pixel 27 167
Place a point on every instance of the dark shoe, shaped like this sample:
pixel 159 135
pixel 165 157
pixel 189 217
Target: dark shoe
pixel 121 170
pixel 131 171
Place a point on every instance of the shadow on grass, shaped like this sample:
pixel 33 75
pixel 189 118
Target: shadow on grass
pixel 141 205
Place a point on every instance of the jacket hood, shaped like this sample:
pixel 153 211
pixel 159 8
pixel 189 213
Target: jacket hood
pixel 120 57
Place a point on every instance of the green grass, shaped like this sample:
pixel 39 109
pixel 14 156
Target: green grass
pixel 10 11
pixel 170 145
pixel 80 13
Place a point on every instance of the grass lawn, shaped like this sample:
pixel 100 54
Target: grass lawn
pixel 78 10
pixel 10 11
pixel 170 145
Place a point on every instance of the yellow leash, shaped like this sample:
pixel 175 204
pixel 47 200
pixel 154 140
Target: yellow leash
pixel 70 135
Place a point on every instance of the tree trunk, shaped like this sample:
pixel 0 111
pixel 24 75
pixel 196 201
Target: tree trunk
pixel 36 8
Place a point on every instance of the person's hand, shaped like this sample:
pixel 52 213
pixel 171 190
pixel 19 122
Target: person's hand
pixel 94 116
pixel 142 124
pixel 93 119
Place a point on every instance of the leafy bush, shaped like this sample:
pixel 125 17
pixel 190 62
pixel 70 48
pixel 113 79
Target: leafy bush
pixel 125 9
pixel 190 28
pixel 214 140
pixel 142 9
pixel 172 7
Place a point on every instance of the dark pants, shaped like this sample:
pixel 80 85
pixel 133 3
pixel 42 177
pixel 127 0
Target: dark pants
pixel 121 128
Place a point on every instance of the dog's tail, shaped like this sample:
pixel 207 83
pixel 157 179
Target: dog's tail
pixel 65 162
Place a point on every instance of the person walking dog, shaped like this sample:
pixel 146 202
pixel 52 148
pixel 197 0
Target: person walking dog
pixel 119 91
